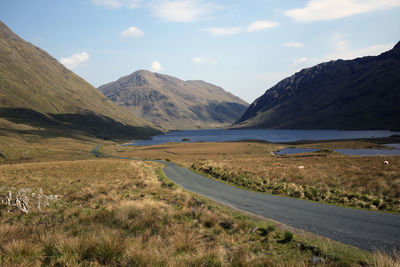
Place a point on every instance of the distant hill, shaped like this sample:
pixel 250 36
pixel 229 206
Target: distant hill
pixel 363 93
pixel 37 90
pixel 171 103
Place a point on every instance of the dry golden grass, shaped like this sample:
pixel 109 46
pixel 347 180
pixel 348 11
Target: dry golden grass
pixel 340 144
pixel 385 260
pixel 17 149
pixel 350 180
pixel 118 213
pixel 187 153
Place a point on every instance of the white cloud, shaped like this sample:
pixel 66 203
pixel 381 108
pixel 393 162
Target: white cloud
pixel 74 60
pixel 118 3
pixel 132 32
pixel 252 27
pixel 183 10
pixel 108 3
pixel 372 50
pixel 133 3
pixel 319 10
pixel 339 42
pixel 294 44
pixel 261 25
pixel 299 62
pixel 224 30
pixel 341 50
pixel 199 60
pixel 156 66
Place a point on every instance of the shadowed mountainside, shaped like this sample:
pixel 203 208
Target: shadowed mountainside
pixel 35 89
pixel 363 93
pixel 171 103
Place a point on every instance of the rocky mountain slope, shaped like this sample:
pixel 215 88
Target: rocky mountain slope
pixel 37 90
pixel 363 93
pixel 171 103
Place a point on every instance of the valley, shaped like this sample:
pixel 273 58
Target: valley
pixel 74 193
pixel 112 211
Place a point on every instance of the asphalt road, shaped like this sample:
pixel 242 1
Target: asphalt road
pixel 364 229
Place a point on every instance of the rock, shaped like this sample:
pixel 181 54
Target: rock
pixel 24 204
pixel 315 260
pixel 386 162
pixel 9 196
pixel 300 167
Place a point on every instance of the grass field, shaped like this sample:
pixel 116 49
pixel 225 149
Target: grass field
pixel 363 182
pixel 126 213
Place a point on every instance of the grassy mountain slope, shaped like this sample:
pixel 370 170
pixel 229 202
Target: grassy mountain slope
pixel 171 103
pixel 35 89
pixel 363 93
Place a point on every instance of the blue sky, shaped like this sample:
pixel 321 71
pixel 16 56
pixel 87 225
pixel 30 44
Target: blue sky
pixel 243 46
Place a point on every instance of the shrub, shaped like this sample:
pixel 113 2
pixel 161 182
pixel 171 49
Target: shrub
pixel 287 237
pixel 297 194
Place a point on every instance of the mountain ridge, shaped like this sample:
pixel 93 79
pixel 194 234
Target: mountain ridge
pixel 34 85
pixel 363 93
pixel 172 103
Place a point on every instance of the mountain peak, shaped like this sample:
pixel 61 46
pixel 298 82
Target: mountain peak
pixel 363 93
pixel 142 72
pixel 172 103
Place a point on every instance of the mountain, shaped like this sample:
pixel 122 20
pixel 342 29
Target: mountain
pixel 37 90
pixel 171 103
pixel 362 93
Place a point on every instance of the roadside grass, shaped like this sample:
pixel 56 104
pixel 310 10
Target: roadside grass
pixel 164 179
pixel 118 213
pixel 354 181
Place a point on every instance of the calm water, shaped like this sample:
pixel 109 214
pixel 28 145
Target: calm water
pixel 272 135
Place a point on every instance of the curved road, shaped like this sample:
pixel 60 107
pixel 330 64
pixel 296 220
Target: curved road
pixel 364 229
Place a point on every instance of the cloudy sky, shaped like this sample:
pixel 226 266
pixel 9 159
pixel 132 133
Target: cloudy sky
pixel 243 46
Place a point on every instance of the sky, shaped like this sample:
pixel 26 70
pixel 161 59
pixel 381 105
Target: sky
pixel 244 46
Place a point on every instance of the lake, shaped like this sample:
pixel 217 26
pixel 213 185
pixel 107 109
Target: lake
pixel 271 135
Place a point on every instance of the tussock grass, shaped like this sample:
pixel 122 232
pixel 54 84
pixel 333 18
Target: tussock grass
pixel 118 213
pixel 384 260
